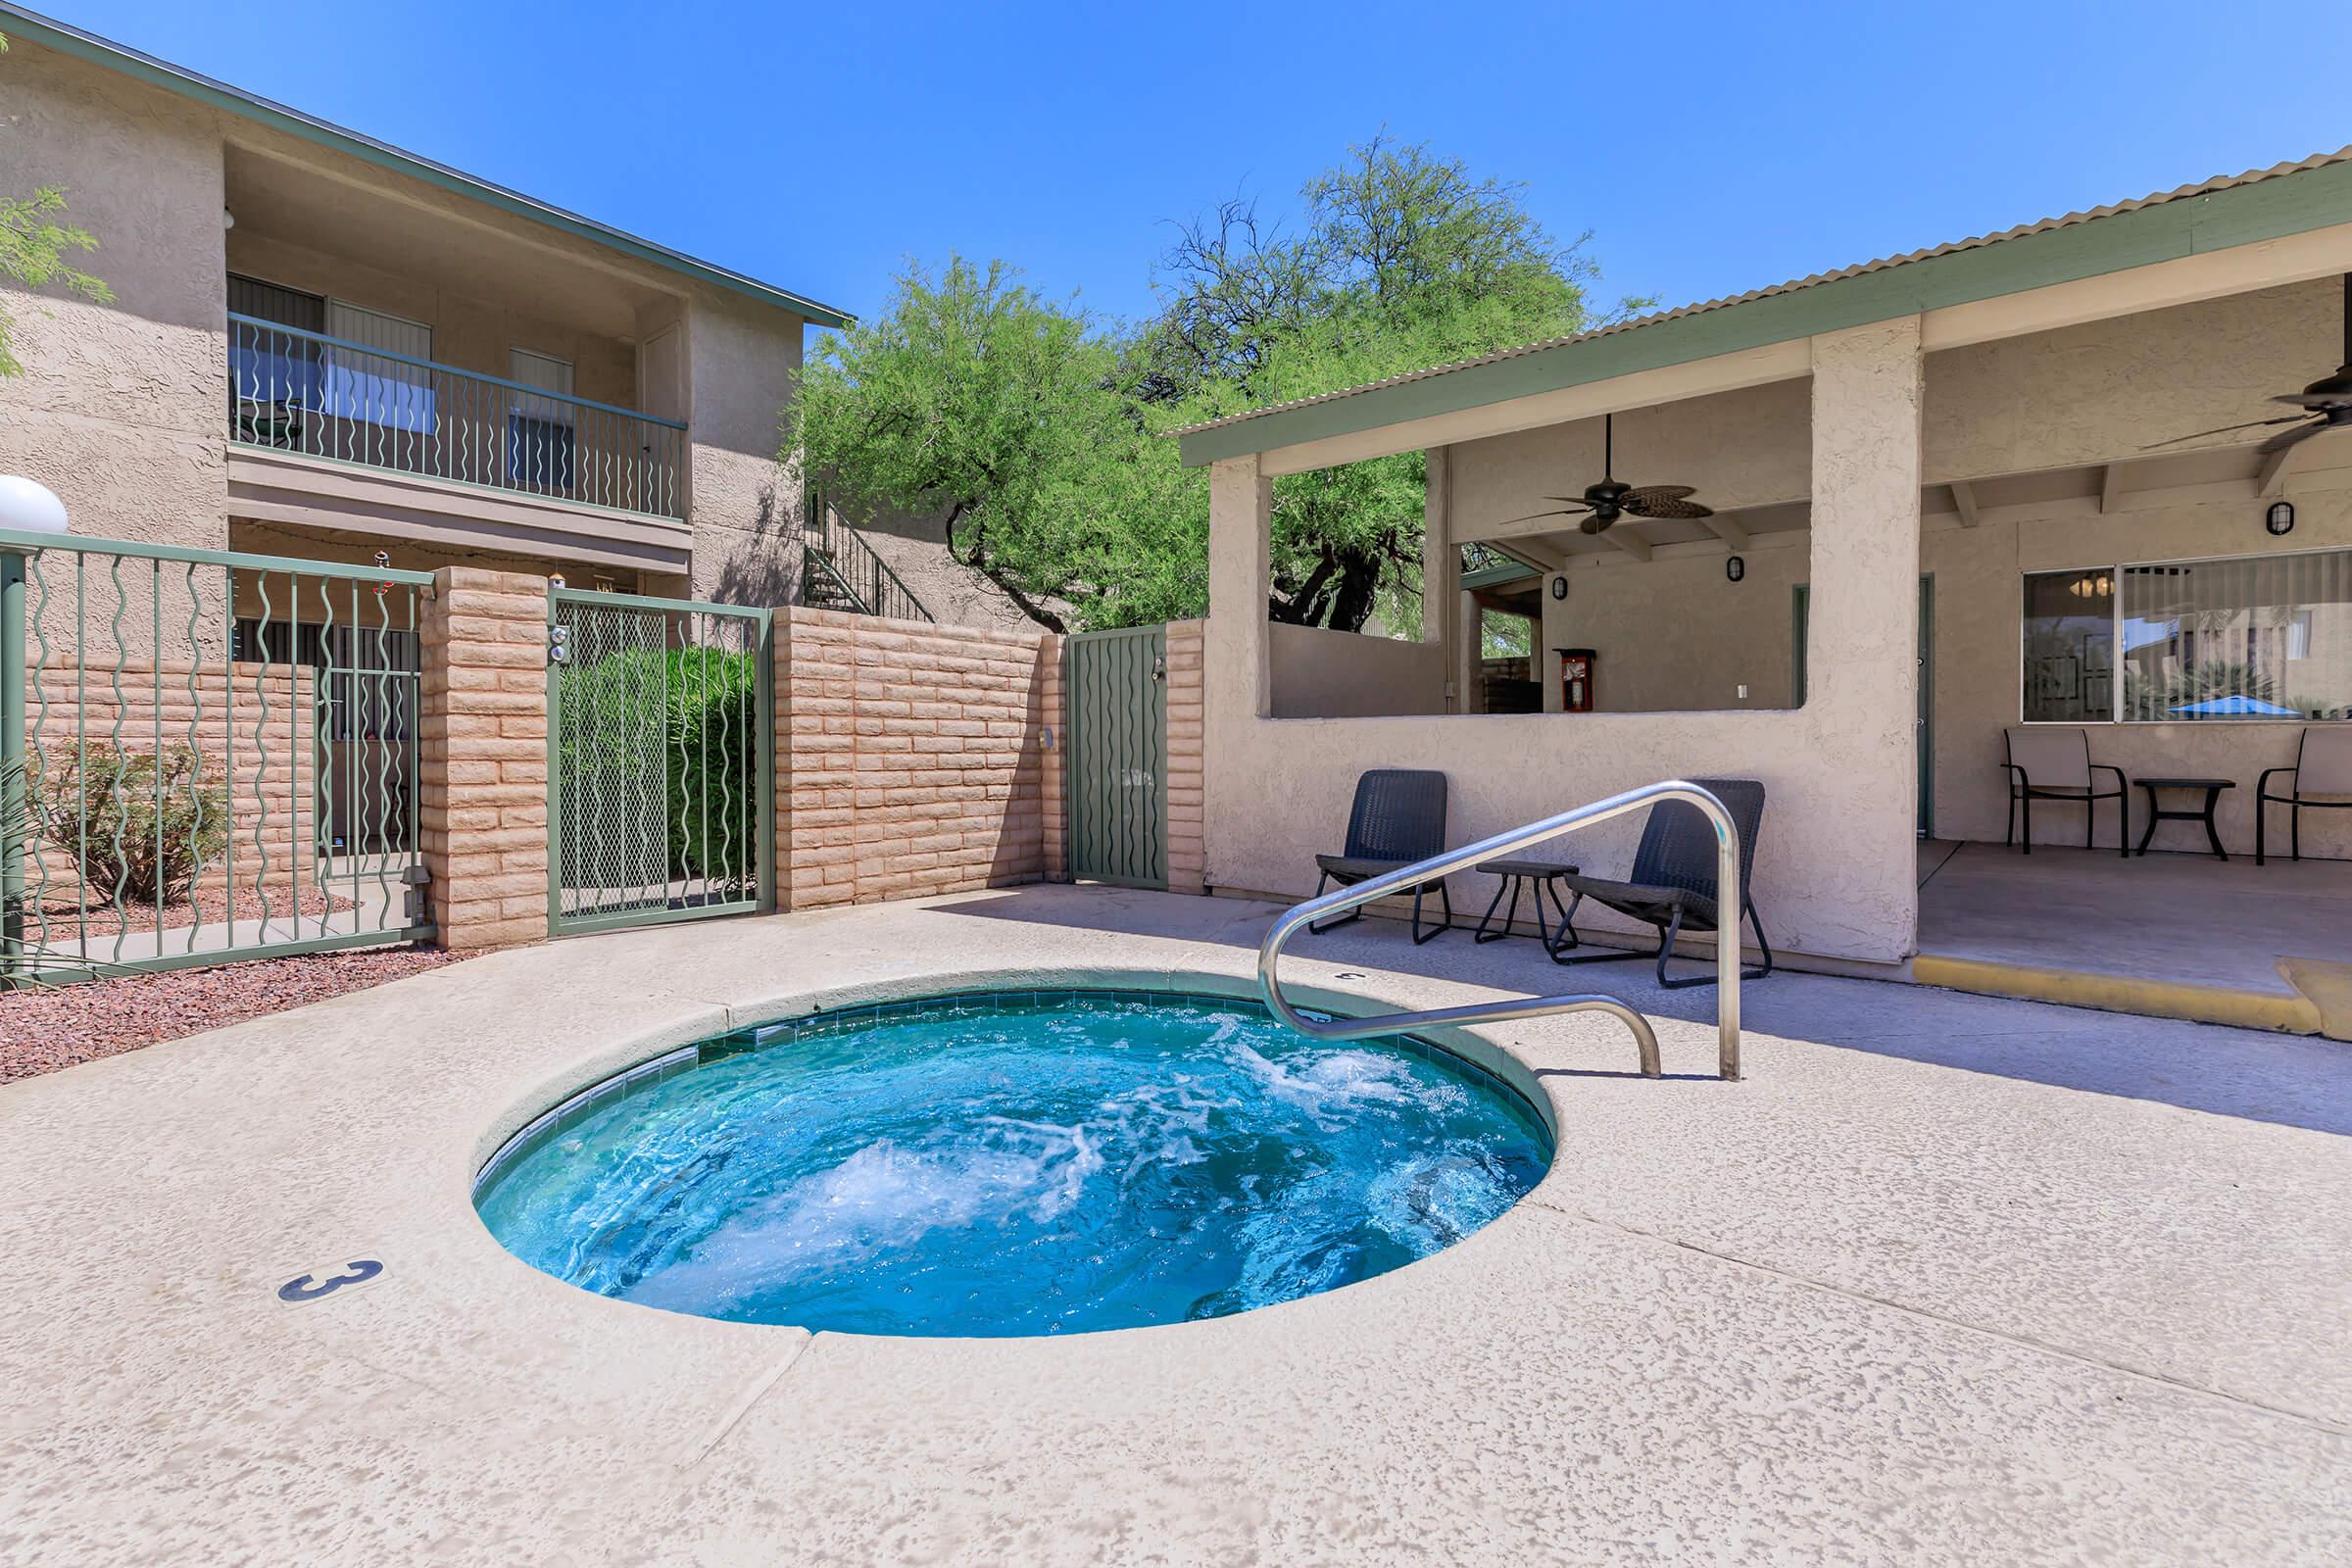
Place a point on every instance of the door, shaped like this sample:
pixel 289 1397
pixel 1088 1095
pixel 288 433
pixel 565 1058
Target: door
pixel 1924 749
pixel 661 764
pixel 1117 736
pixel 1923 724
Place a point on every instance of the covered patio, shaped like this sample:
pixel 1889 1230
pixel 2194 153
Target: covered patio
pixel 2084 478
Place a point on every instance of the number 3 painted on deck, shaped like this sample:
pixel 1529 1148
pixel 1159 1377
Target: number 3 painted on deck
pixel 300 1289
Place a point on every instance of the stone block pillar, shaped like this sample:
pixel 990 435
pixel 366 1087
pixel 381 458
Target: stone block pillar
pixel 1187 734
pixel 482 784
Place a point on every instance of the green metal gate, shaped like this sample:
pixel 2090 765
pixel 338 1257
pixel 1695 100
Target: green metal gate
pixel 205 755
pixel 661 761
pixel 1118 735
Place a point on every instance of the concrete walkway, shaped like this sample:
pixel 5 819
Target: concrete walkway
pixel 2161 924
pixel 1947 1280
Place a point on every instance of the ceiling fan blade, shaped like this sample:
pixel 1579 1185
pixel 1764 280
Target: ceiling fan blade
pixel 1665 508
pixel 2250 424
pixel 2310 399
pixel 2281 442
pixel 1539 517
pixel 1661 492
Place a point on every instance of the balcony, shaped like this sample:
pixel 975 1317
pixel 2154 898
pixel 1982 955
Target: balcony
pixel 302 394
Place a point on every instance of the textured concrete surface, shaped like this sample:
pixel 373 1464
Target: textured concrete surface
pixel 1947 1279
pixel 2182 918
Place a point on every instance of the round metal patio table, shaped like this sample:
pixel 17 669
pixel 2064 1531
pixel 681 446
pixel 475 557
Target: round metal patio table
pixel 2212 787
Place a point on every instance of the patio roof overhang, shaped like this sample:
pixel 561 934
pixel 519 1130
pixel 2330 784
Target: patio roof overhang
pixel 2220 237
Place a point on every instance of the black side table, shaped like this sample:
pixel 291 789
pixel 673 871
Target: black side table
pixel 2212 787
pixel 1537 876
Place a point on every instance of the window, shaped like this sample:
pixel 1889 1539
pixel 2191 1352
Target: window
pixel 375 388
pixel 2251 637
pixel 2069 647
pixel 540 437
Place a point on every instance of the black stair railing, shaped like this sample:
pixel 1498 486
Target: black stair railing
pixel 840 570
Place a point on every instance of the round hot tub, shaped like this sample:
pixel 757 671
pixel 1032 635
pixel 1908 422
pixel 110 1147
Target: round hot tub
pixel 1012 1163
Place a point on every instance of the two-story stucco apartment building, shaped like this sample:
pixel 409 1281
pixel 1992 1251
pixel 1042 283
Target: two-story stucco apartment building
pixel 323 347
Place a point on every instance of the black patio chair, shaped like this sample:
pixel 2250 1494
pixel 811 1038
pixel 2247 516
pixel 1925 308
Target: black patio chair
pixel 1399 817
pixel 2054 764
pixel 1673 885
pixel 2323 768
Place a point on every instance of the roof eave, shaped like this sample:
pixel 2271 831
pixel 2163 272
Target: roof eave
pixel 2238 215
pixel 177 80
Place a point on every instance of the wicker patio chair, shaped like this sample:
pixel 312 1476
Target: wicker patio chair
pixel 2054 764
pixel 1673 884
pixel 2323 767
pixel 1399 817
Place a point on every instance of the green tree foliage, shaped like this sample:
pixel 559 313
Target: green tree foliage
pixel 1043 432
pixel 33 247
pixel 670 730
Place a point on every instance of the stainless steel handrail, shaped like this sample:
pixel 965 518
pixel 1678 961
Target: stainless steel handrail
pixel 1727 938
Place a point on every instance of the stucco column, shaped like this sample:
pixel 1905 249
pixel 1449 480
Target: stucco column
pixel 1442 574
pixel 1862 670
pixel 1236 689
pixel 1241 507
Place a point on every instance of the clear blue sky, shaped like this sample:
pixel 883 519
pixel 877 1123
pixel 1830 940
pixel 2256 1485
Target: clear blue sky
pixel 1711 148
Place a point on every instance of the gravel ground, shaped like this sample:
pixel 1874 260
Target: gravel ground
pixel 41 1031
pixel 65 918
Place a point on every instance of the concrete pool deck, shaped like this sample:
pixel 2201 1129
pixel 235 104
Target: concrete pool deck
pixel 1947 1279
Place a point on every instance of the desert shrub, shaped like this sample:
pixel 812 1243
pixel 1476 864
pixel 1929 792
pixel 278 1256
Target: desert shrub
pixel 674 730
pixel 135 824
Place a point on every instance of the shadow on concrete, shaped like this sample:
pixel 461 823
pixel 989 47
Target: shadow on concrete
pixel 2291 1080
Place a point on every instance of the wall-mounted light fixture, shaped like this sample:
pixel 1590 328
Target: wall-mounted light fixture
pixel 1734 568
pixel 1560 587
pixel 2281 519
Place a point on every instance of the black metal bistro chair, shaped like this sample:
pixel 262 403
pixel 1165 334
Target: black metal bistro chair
pixel 1673 884
pixel 1399 817
pixel 2054 764
pixel 2319 781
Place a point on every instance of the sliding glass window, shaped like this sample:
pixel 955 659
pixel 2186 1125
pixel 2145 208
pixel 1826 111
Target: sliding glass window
pixel 2250 637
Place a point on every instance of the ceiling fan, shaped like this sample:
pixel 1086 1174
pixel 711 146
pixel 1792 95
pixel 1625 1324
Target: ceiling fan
pixel 1602 504
pixel 2326 403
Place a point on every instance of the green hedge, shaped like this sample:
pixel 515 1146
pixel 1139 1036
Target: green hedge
pixel 646 726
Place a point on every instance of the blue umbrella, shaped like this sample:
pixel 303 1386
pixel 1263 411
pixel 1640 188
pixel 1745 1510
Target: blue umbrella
pixel 2237 706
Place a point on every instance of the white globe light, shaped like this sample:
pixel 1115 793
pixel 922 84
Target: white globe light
pixel 30 507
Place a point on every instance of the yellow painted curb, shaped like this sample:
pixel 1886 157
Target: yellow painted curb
pixel 2329 987
pixel 2156 999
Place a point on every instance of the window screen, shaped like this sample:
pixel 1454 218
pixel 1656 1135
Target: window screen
pixel 2251 637
pixel 2258 637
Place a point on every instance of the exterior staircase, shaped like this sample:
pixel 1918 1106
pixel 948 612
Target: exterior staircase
pixel 840 570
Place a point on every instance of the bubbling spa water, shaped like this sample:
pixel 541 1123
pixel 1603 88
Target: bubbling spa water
pixel 1009 1166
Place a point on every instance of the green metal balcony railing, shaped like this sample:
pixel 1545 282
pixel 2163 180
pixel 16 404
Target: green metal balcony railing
pixel 291 390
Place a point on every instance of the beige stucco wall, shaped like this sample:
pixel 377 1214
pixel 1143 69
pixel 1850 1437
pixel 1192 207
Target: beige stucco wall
pixel 1834 874
pixel 741 360
pixel 120 410
pixel 1320 674
pixel 1673 633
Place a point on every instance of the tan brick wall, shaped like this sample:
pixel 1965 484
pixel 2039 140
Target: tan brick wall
pixel 482 790
pixel 1186 859
pixel 911 759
